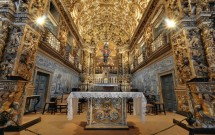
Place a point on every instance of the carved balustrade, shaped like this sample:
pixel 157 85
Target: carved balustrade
pixel 71 58
pixel 159 41
pixel 51 40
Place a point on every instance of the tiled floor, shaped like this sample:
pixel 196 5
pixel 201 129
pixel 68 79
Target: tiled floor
pixel 59 125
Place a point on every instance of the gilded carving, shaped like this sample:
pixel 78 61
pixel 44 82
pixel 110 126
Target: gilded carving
pixel 28 53
pixel 114 20
pixel 185 8
pixel 189 55
pixel 182 64
pixel 196 53
pixel 182 101
pixel 203 103
pixel 85 62
pixel 148 40
pixel 19 54
pixel 106 111
pixel 201 6
pixel 63 36
pixel 208 34
pixel 8 4
pixel 37 7
pixel 10 53
pixel 11 100
pixel 172 8
pixel 4 28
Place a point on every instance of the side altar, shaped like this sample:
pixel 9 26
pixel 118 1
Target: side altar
pixel 107 110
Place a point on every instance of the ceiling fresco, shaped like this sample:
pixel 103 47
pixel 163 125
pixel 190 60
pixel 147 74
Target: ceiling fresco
pixel 101 21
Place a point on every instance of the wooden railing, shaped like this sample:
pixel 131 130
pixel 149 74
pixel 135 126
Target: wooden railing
pixel 159 41
pixel 158 46
pixel 51 40
pixel 52 43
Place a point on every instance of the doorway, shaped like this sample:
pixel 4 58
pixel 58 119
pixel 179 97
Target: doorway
pixel 168 92
pixel 41 87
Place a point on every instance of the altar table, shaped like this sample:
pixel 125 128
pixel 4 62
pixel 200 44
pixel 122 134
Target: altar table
pixel 107 109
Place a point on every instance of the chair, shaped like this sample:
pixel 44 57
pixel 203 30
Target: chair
pixel 62 102
pixel 52 105
pixel 150 106
pixel 130 104
pixel 159 107
pixel 81 101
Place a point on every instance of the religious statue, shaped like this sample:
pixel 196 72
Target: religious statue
pixel 106 52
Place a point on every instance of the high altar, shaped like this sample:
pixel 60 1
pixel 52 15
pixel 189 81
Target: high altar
pixel 107 109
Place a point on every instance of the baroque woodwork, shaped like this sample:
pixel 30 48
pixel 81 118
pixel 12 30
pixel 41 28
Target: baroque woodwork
pixel 12 100
pixel 106 112
pixel 19 53
pixel 208 37
pixel 10 52
pixel 37 8
pixel 28 54
pixel 4 27
pixel 189 55
pixel 202 103
pixel 63 37
pixel 114 20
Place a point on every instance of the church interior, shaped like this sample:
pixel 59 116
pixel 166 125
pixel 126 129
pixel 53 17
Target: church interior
pixel 131 67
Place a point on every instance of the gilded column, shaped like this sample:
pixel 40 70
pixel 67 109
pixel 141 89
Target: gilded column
pixel 148 40
pixel 191 62
pixel 63 37
pixel 186 43
pixel 19 52
pixel 207 26
pixel 4 28
pixel 85 69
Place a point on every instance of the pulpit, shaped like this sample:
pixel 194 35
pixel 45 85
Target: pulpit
pixel 107 110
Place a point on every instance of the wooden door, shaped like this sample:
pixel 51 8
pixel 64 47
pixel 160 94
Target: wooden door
pixel 168 92
pixel 41 87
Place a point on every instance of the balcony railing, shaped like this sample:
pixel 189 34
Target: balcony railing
pixel 51 40
pixel 53 43
pixel 71 59
pixel 160 41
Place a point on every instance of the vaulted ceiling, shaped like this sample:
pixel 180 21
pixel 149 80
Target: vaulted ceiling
pixel 101 21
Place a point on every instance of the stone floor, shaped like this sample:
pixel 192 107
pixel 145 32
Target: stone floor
pixel 59 125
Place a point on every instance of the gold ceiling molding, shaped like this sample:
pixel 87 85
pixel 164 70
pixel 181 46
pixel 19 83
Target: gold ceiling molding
pixel 106 20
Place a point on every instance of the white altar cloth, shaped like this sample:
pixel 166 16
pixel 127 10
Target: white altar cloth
pixel 139 100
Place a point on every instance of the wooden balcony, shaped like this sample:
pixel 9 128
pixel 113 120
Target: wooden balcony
pixel 51 45
pixel 160 40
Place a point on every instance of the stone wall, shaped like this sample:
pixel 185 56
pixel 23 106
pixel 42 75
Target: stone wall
pixel 63 78
pixel 146 79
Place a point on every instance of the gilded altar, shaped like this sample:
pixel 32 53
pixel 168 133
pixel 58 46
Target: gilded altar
pixel 106 113
pixel 107 110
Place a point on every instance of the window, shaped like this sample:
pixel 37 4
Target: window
pixel 54 12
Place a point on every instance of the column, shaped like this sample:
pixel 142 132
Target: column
pixel 19 43
pixel 63 37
